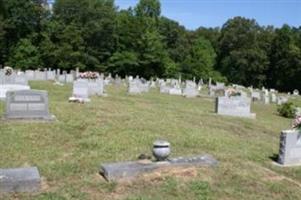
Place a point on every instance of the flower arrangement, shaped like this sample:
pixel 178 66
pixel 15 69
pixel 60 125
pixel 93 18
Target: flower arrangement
pixel 8 71
pixel 297 123
pixel 88 75
pixel 232 92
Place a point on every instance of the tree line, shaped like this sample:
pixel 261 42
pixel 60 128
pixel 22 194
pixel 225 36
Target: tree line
pixel 95 35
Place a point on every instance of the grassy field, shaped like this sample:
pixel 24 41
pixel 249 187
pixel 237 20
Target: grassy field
pixel 119 127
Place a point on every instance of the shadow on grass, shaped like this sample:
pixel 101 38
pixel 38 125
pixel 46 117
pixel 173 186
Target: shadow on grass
pixel 274 157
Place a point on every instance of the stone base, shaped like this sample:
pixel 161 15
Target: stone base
pixel 251 116
pixel 126 170
pixel 49 118
pixel 20 180
pixel 286 165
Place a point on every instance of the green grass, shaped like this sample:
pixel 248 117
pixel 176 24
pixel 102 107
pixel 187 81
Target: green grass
pixel 119 127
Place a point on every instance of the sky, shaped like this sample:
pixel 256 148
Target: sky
pixel 214 13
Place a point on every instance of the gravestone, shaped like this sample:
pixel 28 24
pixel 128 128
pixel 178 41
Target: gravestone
pixel 20 180
pixel 134 86
pixel 80 90
pixel 132 169
pixel 290 148
pixel 296 92
pixel 96 87
pixel 175 91
pixel 27 104
pixel 11 87
pixel 281 100
pixel 256 96
pixel 190 90
pixel 273 98
pixel 164 89
pixel 234 106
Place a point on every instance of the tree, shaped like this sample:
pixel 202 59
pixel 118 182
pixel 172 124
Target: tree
pixel 201 61
pixel 25 56
pixel 94 24
pixel 241 58
pixel 148 8
pixel 285 70
pixel 175 39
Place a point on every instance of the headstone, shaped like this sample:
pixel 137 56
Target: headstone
pixel 290 148
pixel 20 180
pixel 27 104
pixel 128 170
pixel 281 100
pixel 11 87
pixel 190 89
pixel 234 106
pixel 134 87
pixel 175 91
pixel 296 92
pixel 273 98
pixel 96 87
pixel 81 90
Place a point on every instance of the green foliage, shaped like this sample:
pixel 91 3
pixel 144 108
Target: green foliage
pixel 285 68
pixel 287 110
pixel 148 8
pixel 25 55
pixel 200 61
pixel 240 57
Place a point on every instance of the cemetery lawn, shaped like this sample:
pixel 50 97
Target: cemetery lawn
pixel 120 127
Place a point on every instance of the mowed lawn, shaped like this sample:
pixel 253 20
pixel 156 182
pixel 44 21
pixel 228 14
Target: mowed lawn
pixel 69 151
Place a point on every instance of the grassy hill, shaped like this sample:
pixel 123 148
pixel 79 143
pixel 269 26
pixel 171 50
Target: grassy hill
pixel 119 127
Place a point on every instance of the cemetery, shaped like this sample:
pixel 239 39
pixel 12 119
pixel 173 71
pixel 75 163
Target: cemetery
pixel 91 150
pixel 150 100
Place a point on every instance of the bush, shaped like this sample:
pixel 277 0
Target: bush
pixel 287 110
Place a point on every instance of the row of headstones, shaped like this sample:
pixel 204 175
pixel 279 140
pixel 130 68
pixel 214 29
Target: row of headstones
pixel 263 95
pixel 83 89
pixel 54 75
pixel 17 78
pixel 170 86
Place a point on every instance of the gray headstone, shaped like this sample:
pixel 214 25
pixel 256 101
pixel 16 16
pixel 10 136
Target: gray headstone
pixel 234 106
pixel 20 180
pixel 27 104
pixel 290 148
pixel 81 89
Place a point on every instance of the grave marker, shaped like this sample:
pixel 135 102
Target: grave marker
pixel 234 106
pixel 27 104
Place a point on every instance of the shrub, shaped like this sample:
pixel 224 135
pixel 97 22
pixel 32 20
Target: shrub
pixel 287 110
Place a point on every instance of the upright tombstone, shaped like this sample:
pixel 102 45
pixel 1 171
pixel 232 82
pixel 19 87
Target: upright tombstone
pixel 96 87
pixel 20 180
pixel 273 98
pixel 296 92
pixel 290 148
pixel 28 105
pixel 134 86
pixel 190 89
pixel 217 90
pixel 234 106
pixel 80 91
pixel 281 100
